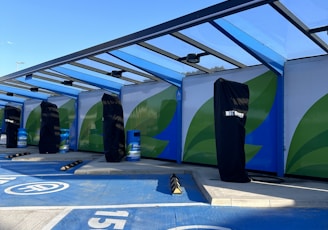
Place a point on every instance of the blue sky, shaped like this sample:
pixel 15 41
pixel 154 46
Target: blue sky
pixel 35 31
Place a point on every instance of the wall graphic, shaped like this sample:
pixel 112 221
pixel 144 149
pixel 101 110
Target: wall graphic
pixel 32 121
pixel 90 121
pixel 66 108
pixel 152 109
pixel 306 117
pixel 32 117
pixel 198 118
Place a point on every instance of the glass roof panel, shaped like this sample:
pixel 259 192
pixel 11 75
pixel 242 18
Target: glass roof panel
pixel 95 74
pixel 135 77
pixel 273 30
pixel 174 46
pixel 108 68
pixel 214 63
pixel 58 79
pixel 97 65
pixel 323 36
pixel 181 49
pixel 110 58
pixel 50 77
pixel 154 57
pixel 211 37
pixel 313 13
pixel 79 84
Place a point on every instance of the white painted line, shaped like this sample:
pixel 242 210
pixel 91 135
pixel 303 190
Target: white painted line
pixel 208 227
pixel 292 186
pixel 57 219
pixel 152 205
pixel 35 175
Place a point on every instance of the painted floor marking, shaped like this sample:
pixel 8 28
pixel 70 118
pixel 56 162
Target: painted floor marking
pixel 36 188
pixel 151 205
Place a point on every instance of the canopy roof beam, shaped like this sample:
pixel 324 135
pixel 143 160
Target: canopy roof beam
pixel 164 73
pixel 207 49
pixel 92 80
pixel 55 87
pixel 25 93
pixel 102 72
pixel 299 24
pixel 65 77
pixel 264 54
pixel 172 56
pixel 14 99
pixel 151 77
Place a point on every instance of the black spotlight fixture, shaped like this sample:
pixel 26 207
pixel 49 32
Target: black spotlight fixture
pixel 192 58
pixel 34 89
pixel 67 82
pixel 117 73
pixel 28 76
pixel 10 94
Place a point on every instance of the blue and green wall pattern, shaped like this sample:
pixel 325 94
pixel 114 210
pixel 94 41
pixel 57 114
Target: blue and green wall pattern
pixel 66 107
pixel 153 109
pixel 154 113
pixel 306 117
pixel 260 144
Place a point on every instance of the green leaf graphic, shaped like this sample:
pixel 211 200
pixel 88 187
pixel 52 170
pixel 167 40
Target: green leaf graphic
pixel 91 138
pixel 151 117
pixel 201 130
pixel 33 126
pixel 308 147
pixel 67 114
pixel 251 151
pixel 150 147
pixel 262 94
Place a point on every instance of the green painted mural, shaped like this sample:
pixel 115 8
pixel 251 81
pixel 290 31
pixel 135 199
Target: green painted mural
pixel 33 126
pixel 67 114
pixel 200 141
pixel 91 132
pixel 66 119
pixel 151 117
pixel 308 152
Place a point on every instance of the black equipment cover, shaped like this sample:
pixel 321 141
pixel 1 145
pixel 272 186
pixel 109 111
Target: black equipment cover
pixel 230 109
pixel 113 128
pixel 12 121
pixel 50 128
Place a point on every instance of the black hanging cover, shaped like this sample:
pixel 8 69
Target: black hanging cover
pixel 113 128
pixel 50 128
pixel 12 121
pixel 230 109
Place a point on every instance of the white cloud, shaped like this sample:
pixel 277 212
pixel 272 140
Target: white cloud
pixel 9 43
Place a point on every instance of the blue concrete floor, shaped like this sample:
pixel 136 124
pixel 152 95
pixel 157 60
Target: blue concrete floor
pixel 134 201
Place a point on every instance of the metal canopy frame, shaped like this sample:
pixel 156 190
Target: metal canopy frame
pixel 144 57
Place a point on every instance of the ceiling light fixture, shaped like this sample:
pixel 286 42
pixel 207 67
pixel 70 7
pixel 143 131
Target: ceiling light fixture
pixel 192 58
pixel 68 82
pixel 117 73
pixel 34 89
pixel 28 76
